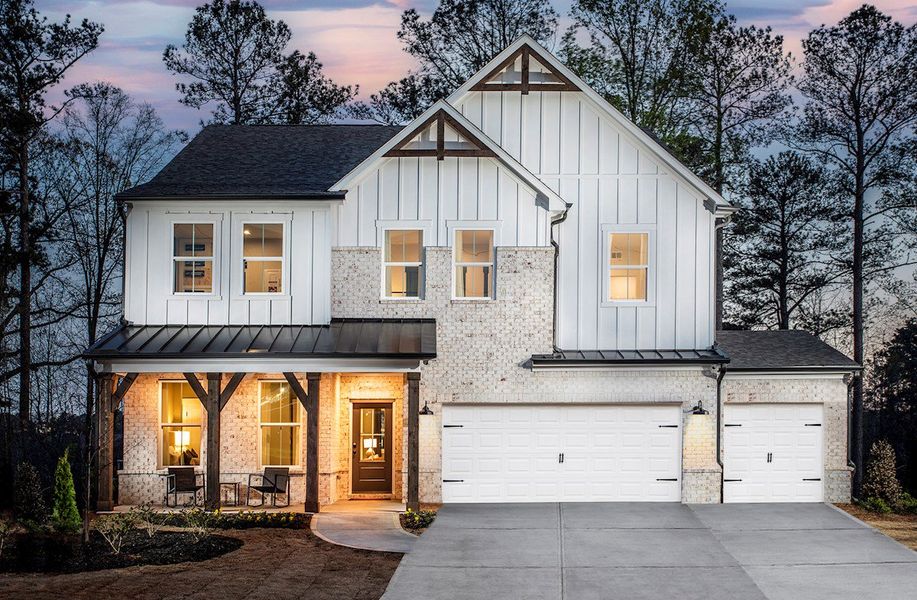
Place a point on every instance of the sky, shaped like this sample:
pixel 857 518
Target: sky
pixel 354 39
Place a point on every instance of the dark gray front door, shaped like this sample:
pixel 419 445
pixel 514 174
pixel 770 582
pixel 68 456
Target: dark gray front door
pixel 372 448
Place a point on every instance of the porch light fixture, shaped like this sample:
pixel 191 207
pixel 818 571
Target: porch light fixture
pixel 426 409
pixel 699 409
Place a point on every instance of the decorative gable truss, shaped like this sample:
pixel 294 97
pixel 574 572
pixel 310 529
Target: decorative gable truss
pixel 441 135
pixel 525 70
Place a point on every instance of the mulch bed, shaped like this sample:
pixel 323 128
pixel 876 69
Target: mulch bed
pixel 51 553
pixel 272 563
pixel 899 527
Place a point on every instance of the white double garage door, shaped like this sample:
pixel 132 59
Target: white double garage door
pixel 621 453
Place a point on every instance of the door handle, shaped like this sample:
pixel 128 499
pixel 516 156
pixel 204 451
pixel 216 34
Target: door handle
pixel 560 457
pixel 770 457
pixel 354 448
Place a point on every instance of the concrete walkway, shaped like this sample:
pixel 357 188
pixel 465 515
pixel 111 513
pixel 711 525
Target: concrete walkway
pixel 652 552
pixel 364 524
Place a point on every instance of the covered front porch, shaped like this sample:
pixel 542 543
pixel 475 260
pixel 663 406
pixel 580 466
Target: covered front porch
pixel 337 413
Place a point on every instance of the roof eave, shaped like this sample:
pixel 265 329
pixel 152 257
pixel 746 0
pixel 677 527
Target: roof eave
pixel 330 196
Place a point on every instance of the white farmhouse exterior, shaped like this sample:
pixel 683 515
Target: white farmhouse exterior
pixel 509 299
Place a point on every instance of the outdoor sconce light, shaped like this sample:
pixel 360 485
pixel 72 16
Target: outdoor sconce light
pixel 426 409
pixel 699 409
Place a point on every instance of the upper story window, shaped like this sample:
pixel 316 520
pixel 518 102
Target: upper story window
pixel 628 266
pixel 403 263
pixel 474 263
pixel 192 258
pixel 180 424
pixel 262 258
pixel 280 425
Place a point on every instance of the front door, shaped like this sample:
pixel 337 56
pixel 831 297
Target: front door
pixel 372 448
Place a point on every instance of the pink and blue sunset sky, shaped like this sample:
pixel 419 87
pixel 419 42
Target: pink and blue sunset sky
pixel 354 39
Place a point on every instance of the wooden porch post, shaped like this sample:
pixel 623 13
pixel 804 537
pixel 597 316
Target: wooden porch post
pixel 213 407
pixel 314 385
pixel 413 500
pixel 105 441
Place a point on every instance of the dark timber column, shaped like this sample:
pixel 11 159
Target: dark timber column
pixel 314 385
pixel 413 500
pixel 213 440
pixel 105 443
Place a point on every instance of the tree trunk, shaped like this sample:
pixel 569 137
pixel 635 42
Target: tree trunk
pixel 25 290
pixel 856 422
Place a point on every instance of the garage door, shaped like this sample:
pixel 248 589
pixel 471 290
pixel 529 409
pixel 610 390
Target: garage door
pixel 571 453
pixel 773 453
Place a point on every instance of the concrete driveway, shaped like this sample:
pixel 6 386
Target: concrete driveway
pixel 652 551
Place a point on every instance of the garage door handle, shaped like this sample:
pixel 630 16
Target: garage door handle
pixel 453 480
pixel 670 426
pixel 448 426
pixel 560 457
pixel 732 425
pixel 665 479
pixel 813 425
pixel 811 478
pixel 731 480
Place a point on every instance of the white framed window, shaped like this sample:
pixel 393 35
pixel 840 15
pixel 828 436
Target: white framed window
pixel 473 255
pixel 402 263
pixel 180 418
pixel 280 424
pixel 628 266
pixel 192 258
pixel 263 258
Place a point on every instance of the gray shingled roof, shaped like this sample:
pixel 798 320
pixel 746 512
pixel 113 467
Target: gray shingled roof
pixel 264 161
pixel 779 350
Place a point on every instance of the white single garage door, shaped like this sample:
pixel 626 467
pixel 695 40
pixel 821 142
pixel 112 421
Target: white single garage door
pixel 570 453
pixel 773 453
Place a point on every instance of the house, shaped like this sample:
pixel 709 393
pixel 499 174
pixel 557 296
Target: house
pixel 509 299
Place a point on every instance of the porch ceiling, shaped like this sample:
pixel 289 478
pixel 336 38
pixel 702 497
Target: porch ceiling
pixel 399 339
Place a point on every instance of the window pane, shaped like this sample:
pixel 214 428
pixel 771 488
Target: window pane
pixel 474 246
pixel 403 246
pixel 262 239
pixel 192 239
pixel 181 446
pixel 627 284
pixel 628 249
pixel 372 434
pixel 193 277
pixel 280 445
pixel 473 282
pixel 263 276
pixel 278 404
pixel 180 404
pixel 402 282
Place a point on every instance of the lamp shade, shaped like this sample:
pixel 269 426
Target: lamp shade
pixel 182 438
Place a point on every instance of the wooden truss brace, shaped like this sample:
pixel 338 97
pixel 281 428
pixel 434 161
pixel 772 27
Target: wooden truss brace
pixel 225 394
pixel 565 85
pixel 441 118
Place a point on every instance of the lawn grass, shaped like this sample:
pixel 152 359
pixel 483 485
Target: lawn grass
pixel 899 527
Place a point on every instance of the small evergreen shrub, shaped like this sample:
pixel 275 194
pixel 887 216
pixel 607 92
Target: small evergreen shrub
pixel 881 479
pixel 29 502
pixel 907 504
pixel 64 515
pixel 877 505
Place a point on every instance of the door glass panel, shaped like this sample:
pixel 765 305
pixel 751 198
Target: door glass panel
pixel 372 435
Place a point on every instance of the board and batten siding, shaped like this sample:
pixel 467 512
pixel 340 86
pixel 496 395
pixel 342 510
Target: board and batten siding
pixel 611 179
pixel 305 300
pixel 433 195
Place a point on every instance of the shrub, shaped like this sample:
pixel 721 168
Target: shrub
pixel 29 503
pixel 199 522
pixel 877 505
pixel 6 529
pixel 148 519
pixel 64 515
pixel 417 519
pixel 115 528
pixel 907 504
pixel 881 480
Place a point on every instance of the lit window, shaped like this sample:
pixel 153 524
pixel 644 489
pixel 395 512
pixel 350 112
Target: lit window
pixel 628 264
pixel 262 258
pixel 192 258
pixel 474 263
pixel 403 263
pixel 181 424
pixel 280 425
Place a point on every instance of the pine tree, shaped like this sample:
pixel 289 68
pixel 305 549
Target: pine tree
pixel 29 506
pixel 64 515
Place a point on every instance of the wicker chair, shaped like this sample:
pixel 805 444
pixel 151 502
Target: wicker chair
pixel 183 480
pixel 274 481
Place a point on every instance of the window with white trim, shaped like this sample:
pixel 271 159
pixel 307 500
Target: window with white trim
pixel 474 263
pixel 192 258
pixel 180 424
pixel 280 424
pixel 403 263
pixel 262 258
pixel 627 266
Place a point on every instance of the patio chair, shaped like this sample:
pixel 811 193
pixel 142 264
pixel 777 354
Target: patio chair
pixel 183 480
pixel 274 481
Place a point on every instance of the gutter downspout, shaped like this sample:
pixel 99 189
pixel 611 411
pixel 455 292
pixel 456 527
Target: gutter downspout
pixel 719 426
pixel 556 221
pixel 125 211
pixel 848 379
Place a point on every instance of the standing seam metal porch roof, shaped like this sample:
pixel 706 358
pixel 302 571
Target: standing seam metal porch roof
pixel 342 338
